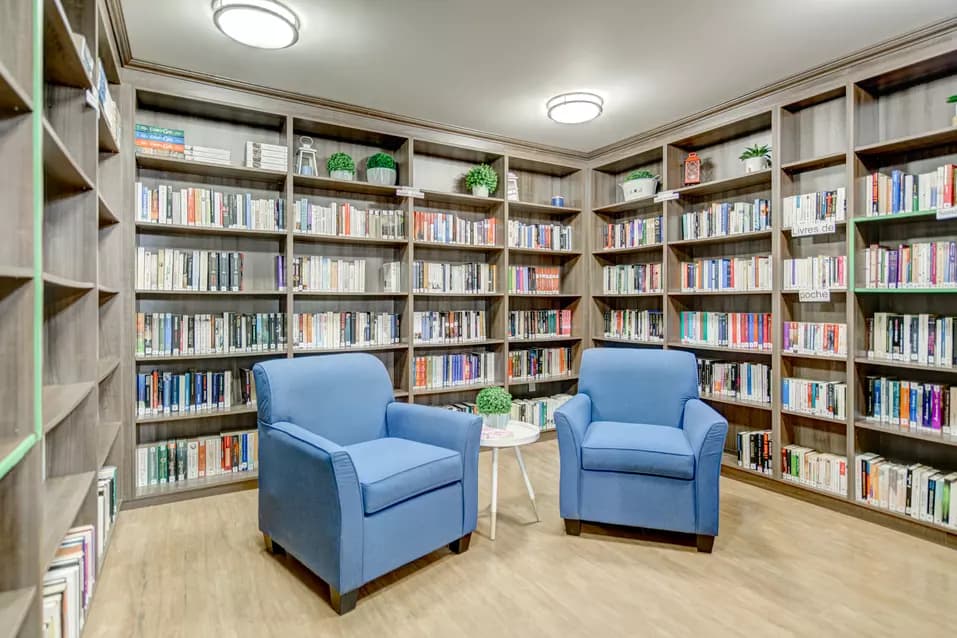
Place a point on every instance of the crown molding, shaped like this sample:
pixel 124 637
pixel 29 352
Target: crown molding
pixel 121 36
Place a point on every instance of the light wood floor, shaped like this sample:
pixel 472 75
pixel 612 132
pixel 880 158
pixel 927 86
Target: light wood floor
pixel 780 567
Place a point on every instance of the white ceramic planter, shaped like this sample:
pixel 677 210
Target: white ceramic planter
pixel 382 176
pixel 480 191
pixel 346 175
pixel 498 421
pixel 638 188
pixel 755 164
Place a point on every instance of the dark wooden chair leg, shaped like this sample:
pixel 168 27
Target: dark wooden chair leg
pixel 573 527
pixel 460 545
pixel 343 603
pixel 705 543
pixel 272 546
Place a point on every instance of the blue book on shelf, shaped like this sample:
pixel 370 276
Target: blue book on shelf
pixel 156 137
pixel 167 392
pixel 897 200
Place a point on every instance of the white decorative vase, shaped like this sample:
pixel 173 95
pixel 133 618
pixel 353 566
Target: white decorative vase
pixel 382 176
pixel 755 164
pixel 497 421
pixel 639 188
pixel 346 175
pixel 480 191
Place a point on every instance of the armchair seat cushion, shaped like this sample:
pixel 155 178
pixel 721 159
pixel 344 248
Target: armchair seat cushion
pixel 391 470
pixel 638 448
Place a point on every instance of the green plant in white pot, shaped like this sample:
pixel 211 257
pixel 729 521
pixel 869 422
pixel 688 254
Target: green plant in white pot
pixel 756 158
pixel 481 180
pixel 341 166
pixel 380 169
pixel 639 184
pixel 495 405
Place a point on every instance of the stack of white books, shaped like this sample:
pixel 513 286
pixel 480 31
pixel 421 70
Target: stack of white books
pixel 207 154
pixel 269 156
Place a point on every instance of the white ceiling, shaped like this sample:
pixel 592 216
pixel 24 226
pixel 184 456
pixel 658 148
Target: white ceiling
pixel 491 65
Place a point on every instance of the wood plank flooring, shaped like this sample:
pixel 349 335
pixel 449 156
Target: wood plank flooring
pixel 780 567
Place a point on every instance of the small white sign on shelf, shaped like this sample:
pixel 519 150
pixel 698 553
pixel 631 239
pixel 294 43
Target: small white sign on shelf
pixel 947 213
pixel 665 196
pixel 817 227
pixel 408 191
pixel 816 296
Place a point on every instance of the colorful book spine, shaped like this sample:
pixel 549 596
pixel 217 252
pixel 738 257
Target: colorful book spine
pixel 634 325
pixel 723 219
pixel 814 207
pixel 916 265
pixel 342 219
pixel 449 326
pixel 726 274
pixel 736 380
pixel 328 274
pixel 453 369
pixel 820 470
pixel 335 330
pixel 629 279
pixel 911 405
pixel 754 450
pixel 826 399
pixel 538 280
pixel 466 278
pixel 202 457
pixel 535 324
pixel 645 231
pixel 923 339
pixel 809 337
pixel 164 334
pixel 743 330
pixel 449 228
pixel 539 236
pixel 815 273
pixel 539 363
pixel 161 393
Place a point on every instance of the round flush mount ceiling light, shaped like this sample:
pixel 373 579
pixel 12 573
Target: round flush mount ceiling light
pixel 574 108
pixel 264 24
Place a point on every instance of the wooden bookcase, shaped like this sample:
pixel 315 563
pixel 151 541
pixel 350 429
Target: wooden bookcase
pixel 61 313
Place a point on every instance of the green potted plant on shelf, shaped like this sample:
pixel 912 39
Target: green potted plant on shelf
pixel 756 158
pixel 481 180
pixel 639 184
pixel 341 166
pixel 953 100
pixel 380 169
pixel 495 405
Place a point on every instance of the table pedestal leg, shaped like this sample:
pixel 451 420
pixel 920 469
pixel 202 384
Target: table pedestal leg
pixel 528 483
pixel 494 508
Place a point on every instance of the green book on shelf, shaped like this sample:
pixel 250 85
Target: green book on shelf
pixel 159 130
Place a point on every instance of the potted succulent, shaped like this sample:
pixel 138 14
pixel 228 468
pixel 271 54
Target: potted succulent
pixel 639 184
pixel 341 166
pixel 953 100
pixel 756 158
pixel 380 169
pixel 481 180
pixel 495 405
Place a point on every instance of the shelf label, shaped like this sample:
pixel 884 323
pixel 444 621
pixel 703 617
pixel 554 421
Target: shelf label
pixel 817 227
pixel 408 191
pixel 947 213
pixel 816 296
pixel 665 196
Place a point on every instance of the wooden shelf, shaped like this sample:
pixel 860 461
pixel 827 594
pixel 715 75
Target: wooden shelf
pixel 205 293
pixel 66 285
pixel 863 359
pixel 815 417
pixel 158 492
pixel 551 379
pixel 554 252
pixel 628 295
pixel 814 163
pixel 345 186
pixel 916 215
pixel 534 295
pixel 918 142
pixel 197 357
pixel 61 59
pixel 12 277
pixel 906 291
pixel 13 99
pixel 744 403
pixel 105 211
pixel 459 294
pixel 541 209
pixel 15 605
pixel 456 247
pixel 757 178
pixel 716 293
pixel 107 139
pixel 921 434
pixel 636 342
pixel 106 367
pixel 339 239
pixel 457 344
pixel 833 291
pixel 62 172
pixel 381 348
pixel 628 250
pixel 106 433
pixel 761 234
pixel 472 387
pixel 548 339
pixel 206 169
pixel 904 517
pixel 370 295
pixel 62 498
pixel 59 402
pixel 460 199
pixel 105 293
pixel 621 207
pixel 9 443
pixel 840 358
pixel 689 346
pixel 188 229
pixel 201 414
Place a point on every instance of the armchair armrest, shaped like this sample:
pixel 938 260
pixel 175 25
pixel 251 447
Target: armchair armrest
pixel 443 428
pixel 706 430
pixel 310 501
pixel 571 422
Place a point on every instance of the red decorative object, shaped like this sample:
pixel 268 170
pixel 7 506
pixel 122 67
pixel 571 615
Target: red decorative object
pixel 692 169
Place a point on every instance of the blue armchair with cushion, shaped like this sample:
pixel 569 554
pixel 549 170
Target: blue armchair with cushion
pixel 352 483
pixel 638 447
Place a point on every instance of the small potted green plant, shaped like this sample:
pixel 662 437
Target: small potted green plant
pixel 639 184
pixel 481 180
pixel 953 100
pixel 341 166
pixel 380 169
pixel 756 158
pixel 495 405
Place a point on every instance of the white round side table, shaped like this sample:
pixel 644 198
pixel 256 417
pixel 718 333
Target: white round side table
pixel 514 435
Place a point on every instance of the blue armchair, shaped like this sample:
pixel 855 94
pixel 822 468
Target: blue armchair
pixel 352 483
pixel 638 447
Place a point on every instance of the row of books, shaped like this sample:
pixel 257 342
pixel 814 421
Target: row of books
pixel 629 279
pixel 726 273
pixel 815 337
pixel 744 330
pixel 815 273
pixel 449 326
pixel 109 109
pixel 754 450
pixel 330 274
pixel 917 265
pixel 181 460
pixel 453 369
pixel 911 489
pixel 159 140
pixel 539 363
pixel 207 154
pixel 722 219
pixel 924 339
pixel 635 325
pixel 344 329
pixel 449 228
pixel 182 269
pixel 820 470
pixel 902 192
pixel 541 280
pixel 826 399
pixel 538 411
pixel 533 324
pixel 208 208
pixel 342 219
pixel 163 393
pixel 914 405
pixel 808 208
pixel 270 156
pixel 164 334
pixel 644 231
pixel 465 278
pixel 734 379
pixel 543 236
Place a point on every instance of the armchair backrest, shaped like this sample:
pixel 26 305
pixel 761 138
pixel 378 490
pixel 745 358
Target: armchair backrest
pixel 340 397
pixel 637 385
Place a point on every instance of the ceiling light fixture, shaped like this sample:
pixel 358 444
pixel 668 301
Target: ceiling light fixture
pixel 264 24
pixel 574 108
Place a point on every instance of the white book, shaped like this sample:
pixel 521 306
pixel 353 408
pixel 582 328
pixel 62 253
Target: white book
pixel 192 459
